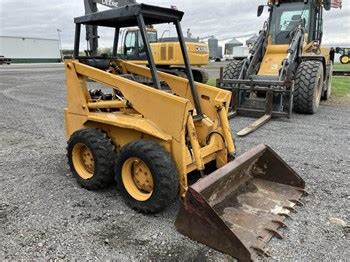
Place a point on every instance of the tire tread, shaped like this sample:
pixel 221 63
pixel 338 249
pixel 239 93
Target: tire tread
pixel 305 82
pixel 167 186
pixel 104 154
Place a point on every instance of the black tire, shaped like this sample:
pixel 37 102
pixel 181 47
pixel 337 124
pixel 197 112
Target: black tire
pixel 163 171
pixel 308 87
pixel 233 69
pixel 103 153
pixel 326 94
pixel 200 76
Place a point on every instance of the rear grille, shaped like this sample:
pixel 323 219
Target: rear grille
pixel 171 53
pixel 163 53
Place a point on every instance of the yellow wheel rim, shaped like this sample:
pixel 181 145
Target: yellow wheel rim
pixel 137 179
pixel 345 59
pixel 83 161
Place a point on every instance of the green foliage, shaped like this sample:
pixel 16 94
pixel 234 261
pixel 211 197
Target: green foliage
pixel 341 67
pixel 341 86
pixel 212 82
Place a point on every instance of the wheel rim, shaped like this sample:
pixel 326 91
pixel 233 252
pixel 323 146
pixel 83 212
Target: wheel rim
pixel 345 59
pixel 137 179
pixel 83 161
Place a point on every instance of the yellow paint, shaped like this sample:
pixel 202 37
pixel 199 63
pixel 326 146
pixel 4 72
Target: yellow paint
pixel 83 161
pixel 169 53
pixel 147 113
pixel 107 104
pixel 273 58
pixel 345 59
pixel 226 130
pixel 275 55
pixel 137 179
pixel 194 143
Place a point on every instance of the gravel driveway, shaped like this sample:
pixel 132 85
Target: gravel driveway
pixel 44 214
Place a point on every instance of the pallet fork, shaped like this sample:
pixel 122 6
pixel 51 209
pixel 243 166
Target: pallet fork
pixel 262 107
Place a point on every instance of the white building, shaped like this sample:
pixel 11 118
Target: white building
pixel 30 50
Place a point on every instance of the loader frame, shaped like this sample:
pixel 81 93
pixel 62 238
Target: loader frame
pixel 199 110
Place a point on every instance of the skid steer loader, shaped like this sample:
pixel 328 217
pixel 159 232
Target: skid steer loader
pixel 156 140
pixel 287 67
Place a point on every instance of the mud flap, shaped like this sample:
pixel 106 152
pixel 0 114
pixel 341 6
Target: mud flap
pixel 238 208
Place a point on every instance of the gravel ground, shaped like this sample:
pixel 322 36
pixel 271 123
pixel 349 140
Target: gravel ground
pixel 44 214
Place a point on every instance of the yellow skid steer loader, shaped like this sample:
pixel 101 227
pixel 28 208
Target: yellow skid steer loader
pixel 154 139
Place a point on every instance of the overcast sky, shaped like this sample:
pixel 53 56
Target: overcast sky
pixel 41 18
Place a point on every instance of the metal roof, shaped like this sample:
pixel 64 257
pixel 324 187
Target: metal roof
pixel 234 42
pixel 127 16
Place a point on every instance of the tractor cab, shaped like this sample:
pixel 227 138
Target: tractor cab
pixel 132 44
pixel 286 16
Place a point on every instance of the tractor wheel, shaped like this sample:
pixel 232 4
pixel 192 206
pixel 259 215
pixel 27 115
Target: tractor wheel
pixel 308 87
pixel 146 176
pixel 233 69
pixel 200 76
pixel 328 85
pixel 344 59
pixel 91 157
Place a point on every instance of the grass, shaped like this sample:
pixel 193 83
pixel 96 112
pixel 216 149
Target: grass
pixel 212 82
pixel 339 66
pixel 341 87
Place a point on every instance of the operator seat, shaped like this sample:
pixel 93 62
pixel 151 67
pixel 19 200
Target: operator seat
pixel 282 38
pixel 293 23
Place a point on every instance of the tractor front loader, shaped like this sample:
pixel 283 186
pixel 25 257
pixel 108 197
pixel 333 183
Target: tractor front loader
pixel 159 141
pixel 287 68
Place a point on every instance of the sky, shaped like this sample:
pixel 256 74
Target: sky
pixel 223 19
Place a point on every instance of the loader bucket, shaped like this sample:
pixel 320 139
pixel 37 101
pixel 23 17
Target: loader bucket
pixel 238 208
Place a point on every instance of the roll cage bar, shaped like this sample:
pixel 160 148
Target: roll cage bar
pixel 140 15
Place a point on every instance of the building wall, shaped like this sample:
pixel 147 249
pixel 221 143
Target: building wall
pixel 27 50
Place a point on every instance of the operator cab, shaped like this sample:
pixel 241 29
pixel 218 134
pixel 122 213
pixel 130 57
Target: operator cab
pixel 133 46
pixel 286 16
